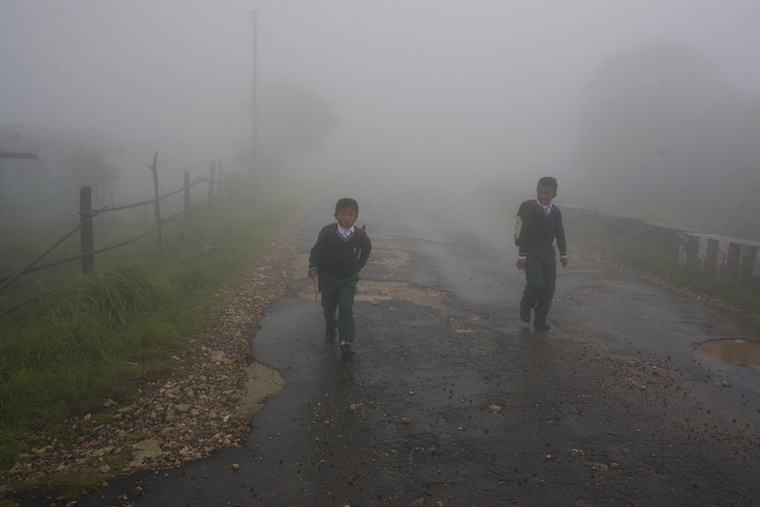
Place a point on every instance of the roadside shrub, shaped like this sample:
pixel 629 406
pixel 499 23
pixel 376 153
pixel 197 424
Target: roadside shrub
pixel 117 294
pixel 190 278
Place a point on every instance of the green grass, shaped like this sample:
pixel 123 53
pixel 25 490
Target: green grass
pixel 104 335
pixel 649 257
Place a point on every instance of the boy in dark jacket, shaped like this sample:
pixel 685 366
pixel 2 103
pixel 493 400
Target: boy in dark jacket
pixel 340 252
pixel 541 224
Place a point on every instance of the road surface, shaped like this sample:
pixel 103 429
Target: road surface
pixel 451 400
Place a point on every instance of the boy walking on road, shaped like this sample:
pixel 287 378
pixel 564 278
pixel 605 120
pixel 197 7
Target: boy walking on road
pixel 340 252
pixel 537 224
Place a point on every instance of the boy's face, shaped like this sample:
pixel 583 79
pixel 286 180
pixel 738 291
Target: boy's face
pixel 545 194
pixel 346 217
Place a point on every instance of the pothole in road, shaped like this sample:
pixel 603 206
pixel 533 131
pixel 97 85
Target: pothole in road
pixel 594 275
pixel 389 252
pixel 370 290
pixel 392 252
pixel 595 290
pixel 373 291
pixel 740 352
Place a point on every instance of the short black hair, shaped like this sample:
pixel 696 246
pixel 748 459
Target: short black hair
pixel 347 202
pixel 548 181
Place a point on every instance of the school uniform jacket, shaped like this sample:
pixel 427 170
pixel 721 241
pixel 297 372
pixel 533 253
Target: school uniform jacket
pixel 336 255
pixel 538 228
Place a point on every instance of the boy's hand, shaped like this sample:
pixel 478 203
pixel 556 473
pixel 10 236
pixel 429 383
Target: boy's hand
pixel 563 261
pixel 312 273
pixel 521 264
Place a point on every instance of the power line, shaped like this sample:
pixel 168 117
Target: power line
pixel 235 8
pixel 269 33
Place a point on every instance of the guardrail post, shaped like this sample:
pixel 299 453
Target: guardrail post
pixel 87 243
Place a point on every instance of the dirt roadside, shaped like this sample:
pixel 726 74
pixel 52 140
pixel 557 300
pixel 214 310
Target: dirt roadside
pixel 185 419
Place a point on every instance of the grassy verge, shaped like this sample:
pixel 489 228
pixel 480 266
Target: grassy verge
pixel 630 249
pixel 66 352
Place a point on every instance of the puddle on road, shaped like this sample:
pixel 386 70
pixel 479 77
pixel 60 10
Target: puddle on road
pixel 741 352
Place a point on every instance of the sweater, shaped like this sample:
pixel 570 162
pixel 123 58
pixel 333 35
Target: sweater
pixel 538 228
pixel 337 255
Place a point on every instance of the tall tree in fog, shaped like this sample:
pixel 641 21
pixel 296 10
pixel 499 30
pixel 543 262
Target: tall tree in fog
pixel 294 121
pixel 91 168
pixel 665 136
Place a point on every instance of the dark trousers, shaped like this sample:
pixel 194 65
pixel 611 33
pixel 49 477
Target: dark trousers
pixel 338 294
pixel 540 279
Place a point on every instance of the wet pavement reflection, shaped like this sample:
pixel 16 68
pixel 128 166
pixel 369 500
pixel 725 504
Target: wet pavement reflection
pixel 451 400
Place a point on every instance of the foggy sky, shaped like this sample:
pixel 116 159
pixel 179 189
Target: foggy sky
pixel 438 88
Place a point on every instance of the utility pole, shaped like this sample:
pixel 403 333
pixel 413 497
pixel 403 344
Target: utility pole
pixel 254 88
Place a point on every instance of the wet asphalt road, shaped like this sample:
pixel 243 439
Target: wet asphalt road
pixel 450 398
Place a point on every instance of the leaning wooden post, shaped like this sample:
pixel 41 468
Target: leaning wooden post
pixel 87 243
pixel 158 206
pixel 220 193
pixel 187 197
pixel 211 184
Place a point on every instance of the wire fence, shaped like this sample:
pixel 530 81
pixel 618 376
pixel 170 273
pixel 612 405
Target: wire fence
pixel 85 226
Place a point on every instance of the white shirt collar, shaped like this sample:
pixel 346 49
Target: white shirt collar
pixel 346 233
pixel 547 209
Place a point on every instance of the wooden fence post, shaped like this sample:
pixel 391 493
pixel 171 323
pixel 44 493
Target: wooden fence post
pixel 87 243
pixel 211 184
pixel 220 195
pixel 187 197
pixel 154 168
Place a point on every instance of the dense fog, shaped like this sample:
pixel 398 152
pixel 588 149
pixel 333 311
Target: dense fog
pixel 641 107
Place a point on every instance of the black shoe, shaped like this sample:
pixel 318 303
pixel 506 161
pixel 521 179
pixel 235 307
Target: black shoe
pixel 525 313
pixel 345 349
pixel 330 333
pixel 541 326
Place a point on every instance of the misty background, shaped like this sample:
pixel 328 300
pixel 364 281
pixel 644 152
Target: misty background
pixel 646 108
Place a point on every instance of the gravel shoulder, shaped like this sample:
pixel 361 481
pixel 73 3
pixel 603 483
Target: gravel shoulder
pixel 185 419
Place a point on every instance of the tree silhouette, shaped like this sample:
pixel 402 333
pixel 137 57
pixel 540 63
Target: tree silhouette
pixel 294 121
pixel 665 136
pixel 88 167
